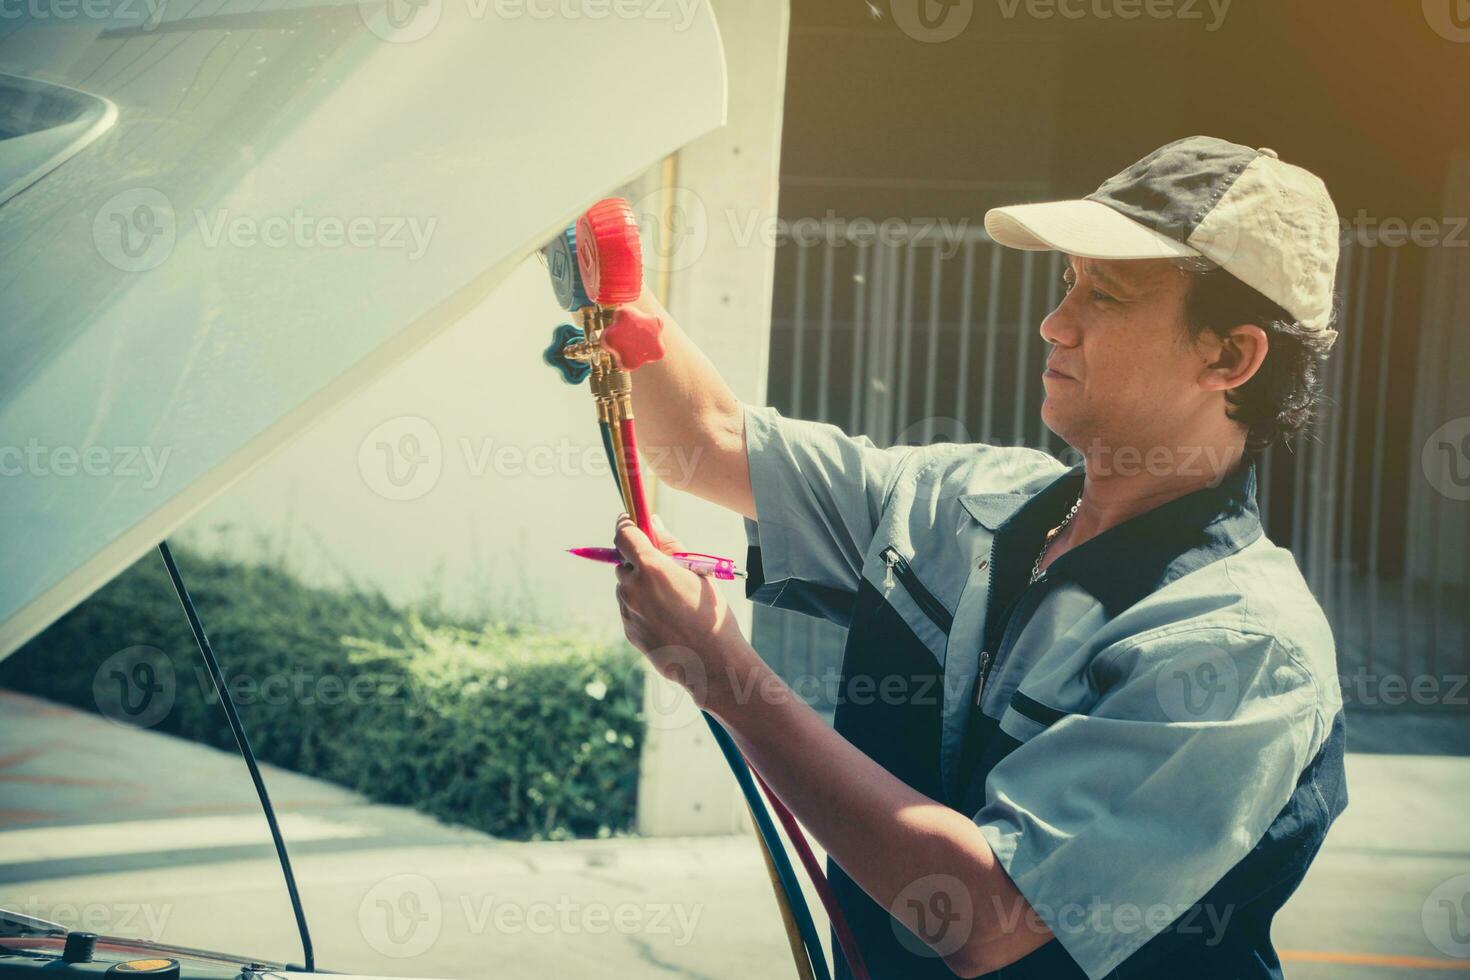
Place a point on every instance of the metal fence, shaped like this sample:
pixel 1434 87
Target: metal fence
pixel 932 337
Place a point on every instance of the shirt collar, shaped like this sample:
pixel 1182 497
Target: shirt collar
pixel 1146 552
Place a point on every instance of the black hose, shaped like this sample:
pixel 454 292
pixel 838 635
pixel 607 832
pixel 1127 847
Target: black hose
pixel 216 675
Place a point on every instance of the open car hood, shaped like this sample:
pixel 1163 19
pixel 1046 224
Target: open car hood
pixel 218 218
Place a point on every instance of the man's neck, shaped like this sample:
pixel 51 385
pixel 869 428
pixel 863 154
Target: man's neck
pixel 1122 486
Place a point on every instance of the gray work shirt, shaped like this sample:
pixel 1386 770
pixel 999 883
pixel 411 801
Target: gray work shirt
pixel 1156 752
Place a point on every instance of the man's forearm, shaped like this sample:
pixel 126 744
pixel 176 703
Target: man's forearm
pixel 690 424
pixel 926 863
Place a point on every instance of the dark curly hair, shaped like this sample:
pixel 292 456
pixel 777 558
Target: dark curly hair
pixel 1280 400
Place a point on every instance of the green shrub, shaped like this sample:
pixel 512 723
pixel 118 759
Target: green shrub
pixel 506 728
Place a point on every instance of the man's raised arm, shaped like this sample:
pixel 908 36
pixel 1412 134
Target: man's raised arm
pixel 690 424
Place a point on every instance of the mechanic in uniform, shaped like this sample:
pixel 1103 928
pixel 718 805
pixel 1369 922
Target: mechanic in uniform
pixel 1088 722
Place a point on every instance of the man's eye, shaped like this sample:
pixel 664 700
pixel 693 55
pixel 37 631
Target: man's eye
pixel 1102 297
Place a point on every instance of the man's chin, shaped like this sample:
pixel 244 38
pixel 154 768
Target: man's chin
pixel 1055 419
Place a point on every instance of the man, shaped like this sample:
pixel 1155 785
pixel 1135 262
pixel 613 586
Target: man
pixel 1088 722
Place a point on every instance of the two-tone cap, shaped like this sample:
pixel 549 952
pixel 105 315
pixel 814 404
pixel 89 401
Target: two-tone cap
pixel 1270 224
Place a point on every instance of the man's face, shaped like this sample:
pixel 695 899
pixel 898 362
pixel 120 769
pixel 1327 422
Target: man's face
pixel 1122 370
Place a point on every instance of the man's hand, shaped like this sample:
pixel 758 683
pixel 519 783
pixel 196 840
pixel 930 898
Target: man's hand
pixel 677 618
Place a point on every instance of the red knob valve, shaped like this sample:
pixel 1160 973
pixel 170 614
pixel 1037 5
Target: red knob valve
pixel 634 338
pixel 609 254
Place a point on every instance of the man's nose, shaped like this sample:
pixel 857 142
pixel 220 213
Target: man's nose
pixel 1059 327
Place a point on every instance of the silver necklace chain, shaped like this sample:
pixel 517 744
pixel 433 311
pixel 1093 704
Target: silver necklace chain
pixel 1046 543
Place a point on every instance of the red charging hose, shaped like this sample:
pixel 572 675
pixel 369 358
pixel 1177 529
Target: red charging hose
pixel 845 939
pixel 609 258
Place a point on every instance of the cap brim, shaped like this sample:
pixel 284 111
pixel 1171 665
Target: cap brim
pixel 1087 229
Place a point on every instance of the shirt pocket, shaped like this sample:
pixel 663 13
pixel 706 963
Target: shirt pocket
pixel 910 586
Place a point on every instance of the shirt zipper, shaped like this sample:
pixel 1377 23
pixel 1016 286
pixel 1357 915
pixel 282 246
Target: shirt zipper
pixel 986 660
pixel 922 597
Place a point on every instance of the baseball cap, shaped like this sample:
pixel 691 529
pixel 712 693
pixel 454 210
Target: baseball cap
pixel 1270 224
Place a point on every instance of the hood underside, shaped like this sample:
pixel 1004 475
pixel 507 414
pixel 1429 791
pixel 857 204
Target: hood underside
pixel 256 208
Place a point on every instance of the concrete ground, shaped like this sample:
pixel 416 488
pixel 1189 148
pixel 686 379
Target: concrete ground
pixel 138 834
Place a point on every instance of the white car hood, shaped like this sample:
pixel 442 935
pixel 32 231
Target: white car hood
pixel 270 203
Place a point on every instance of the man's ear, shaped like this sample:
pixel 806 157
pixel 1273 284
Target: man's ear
pixel 1232 360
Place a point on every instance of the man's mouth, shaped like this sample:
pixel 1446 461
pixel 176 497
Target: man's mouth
pixel 1053 372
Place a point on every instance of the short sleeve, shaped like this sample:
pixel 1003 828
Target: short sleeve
pixel 1113 823
pixel 818 496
